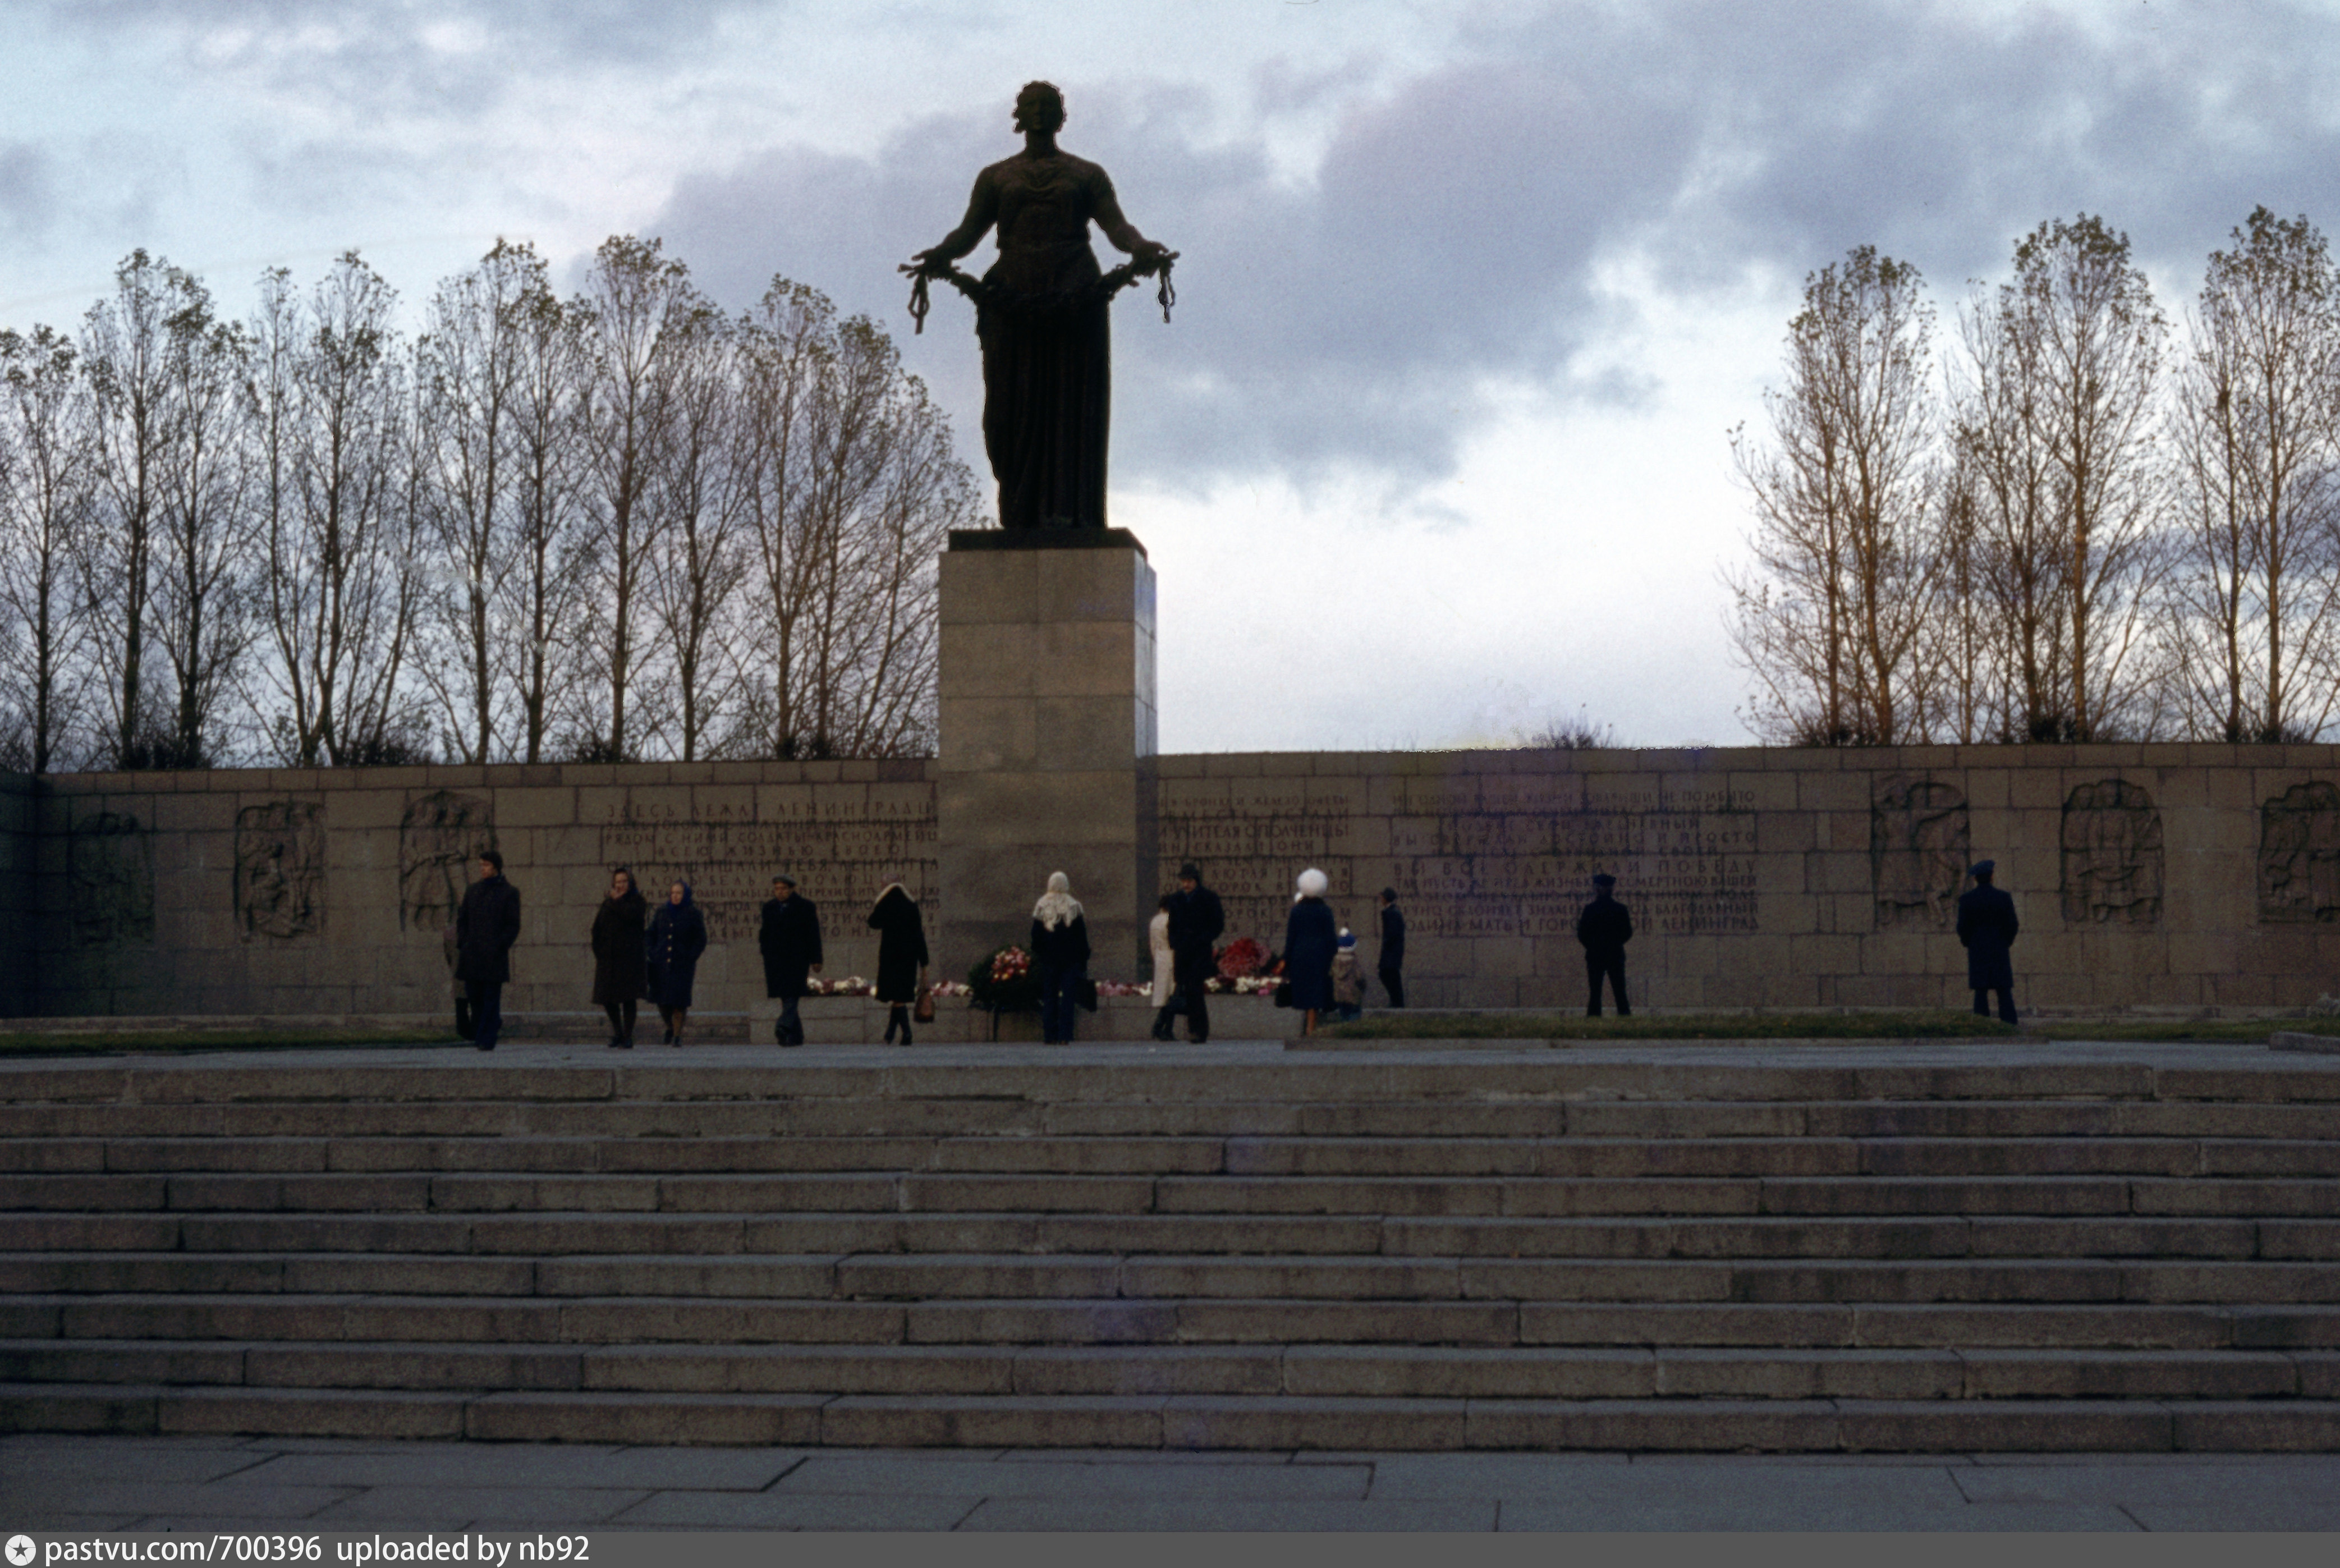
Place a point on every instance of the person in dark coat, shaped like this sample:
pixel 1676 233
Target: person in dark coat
pixel 1196 919
pixel 1604 929
pixel 620 967
pixel 486 927
pixel 1311 937
pixel 1392 954
pixel 901 956
pixel 678 935
pixel 790 941
pixel 1987 928
pixel 1060 956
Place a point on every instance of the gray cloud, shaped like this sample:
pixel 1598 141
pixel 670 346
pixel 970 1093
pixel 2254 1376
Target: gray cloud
pixel 28 197
pixel 384 54
pixel 1448 239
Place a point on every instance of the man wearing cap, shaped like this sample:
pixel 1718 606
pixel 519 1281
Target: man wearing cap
pixel 1986 928
pixel 790 940
pixel 1195 922
pixel 1392 954
pixel 1604 929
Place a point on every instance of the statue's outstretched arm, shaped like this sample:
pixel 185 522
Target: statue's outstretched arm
pixel 1121 230
pixel 982 212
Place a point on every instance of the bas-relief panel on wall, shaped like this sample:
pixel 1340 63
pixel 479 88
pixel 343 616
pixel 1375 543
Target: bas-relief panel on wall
pixel 1918 850
pixel 439 837
pixel 1485 856
pixel 280 870
pixel 2112 857
pixel 110 878
pixel 2299 855
pixel 842 852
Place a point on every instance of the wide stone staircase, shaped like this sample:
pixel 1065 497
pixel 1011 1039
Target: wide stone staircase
pixel 1410 1251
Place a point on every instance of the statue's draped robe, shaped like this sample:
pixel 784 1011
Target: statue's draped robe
pixel 1047 355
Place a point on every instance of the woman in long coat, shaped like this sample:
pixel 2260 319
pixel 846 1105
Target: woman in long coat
pixel 1060 954
pixel 901 956
pixel 620 968
pixel 678 935
pixel 1311 937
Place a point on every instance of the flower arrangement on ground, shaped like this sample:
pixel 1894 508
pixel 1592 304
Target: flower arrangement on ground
pixel 1004 982
pixel 1240 957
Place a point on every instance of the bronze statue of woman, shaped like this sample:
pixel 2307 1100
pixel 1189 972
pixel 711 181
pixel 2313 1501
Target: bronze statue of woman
pixel 1041 317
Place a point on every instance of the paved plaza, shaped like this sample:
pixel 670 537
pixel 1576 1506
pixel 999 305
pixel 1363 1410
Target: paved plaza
pixel 59 1483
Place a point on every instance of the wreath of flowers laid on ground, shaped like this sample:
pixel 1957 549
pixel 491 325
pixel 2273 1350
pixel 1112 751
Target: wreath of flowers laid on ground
pixel 1246 969
pixel 1004 982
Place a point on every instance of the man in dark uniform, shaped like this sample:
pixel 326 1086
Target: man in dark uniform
pixel 1195 921
pixel 1393 958
pixel 486 927
pixel 790 941
pixel 1604 929
pixel 1986 928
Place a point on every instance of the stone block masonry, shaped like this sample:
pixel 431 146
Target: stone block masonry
pixel 1047 711
pixel 2161 876
pixel 2167 877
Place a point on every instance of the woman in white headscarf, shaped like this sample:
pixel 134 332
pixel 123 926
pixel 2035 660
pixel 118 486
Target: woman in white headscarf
pixel 1060 956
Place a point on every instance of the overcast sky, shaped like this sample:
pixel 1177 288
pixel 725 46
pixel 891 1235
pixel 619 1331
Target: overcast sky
pixel 1436 449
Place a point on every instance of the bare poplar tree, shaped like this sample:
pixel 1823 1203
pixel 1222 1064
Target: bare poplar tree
pixel 541 655
pixel 126 348
pixel 342 570
pixel 697 507
pixel 637 305
pixel 469 371
pixel 2256 596
pixel 2056 426
pixel 203 585
pixel 1831 618
pixel 855 486
pixel 48 498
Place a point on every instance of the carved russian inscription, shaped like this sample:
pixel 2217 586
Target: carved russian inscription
pixel 438 838
pixel 280 870
pixel 1917 850
pixel 1472 855
pixel 843 848
pixel 2112 861
pixel 110 875
pixel 2299 855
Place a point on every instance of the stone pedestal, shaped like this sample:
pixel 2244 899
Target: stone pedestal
pixel 1048 739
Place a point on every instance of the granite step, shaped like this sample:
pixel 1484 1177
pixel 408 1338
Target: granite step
pixel 2263 1197
pixel 1319 1371
pixel 1751 1237
pixel 1994 1312
pixel 1647 1073
pixel 1178 1422
pixel 926 1277
pixel 785 1113
pixel 1411 1155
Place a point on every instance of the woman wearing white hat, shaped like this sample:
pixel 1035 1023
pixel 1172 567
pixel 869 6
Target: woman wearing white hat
pixel 1311 937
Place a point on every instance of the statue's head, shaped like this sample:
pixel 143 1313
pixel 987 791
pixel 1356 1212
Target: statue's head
pixel 1040 108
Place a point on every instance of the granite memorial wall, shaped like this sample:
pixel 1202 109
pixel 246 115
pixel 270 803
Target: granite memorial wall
pixel 2147 876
